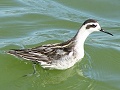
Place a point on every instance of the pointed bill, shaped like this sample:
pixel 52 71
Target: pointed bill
pixel 106 32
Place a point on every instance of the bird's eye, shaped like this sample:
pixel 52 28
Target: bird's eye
pixel 93 25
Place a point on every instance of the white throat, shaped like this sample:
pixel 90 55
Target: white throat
pixel 79 41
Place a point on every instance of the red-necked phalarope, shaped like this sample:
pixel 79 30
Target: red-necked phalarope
pixel 61 55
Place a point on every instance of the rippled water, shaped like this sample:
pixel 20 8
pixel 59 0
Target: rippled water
pixel 29 23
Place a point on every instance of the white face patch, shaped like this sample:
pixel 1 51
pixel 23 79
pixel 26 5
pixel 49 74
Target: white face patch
pixel 92 26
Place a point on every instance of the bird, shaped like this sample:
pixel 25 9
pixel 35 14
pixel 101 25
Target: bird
pixel 60 56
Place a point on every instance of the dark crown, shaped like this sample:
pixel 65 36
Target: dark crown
pixel 89 21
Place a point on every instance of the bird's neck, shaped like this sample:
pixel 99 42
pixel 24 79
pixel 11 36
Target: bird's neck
pixel 79 41
pixel 81 37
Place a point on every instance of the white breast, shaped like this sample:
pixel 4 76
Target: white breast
pixel 63 63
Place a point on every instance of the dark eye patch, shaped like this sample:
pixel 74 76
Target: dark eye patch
pixel 91 26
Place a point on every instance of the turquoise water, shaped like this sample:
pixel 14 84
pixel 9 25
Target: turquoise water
pixel 29 23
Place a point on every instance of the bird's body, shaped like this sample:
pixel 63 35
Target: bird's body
pixel 61 55
pixel 53 56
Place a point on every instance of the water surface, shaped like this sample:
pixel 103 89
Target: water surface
pixel 29 23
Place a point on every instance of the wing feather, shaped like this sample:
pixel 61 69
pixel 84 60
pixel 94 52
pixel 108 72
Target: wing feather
pixel 45 53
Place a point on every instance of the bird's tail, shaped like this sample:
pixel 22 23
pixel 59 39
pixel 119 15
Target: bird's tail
pixel 23 53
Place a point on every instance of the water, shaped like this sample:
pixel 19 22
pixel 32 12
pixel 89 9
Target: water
pixel 29 23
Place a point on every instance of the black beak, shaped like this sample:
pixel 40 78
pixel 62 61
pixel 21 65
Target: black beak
pixel 106 32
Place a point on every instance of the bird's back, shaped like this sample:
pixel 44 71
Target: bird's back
pixel 56 56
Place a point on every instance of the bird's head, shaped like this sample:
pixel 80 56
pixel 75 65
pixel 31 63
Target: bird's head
pixel 92 25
